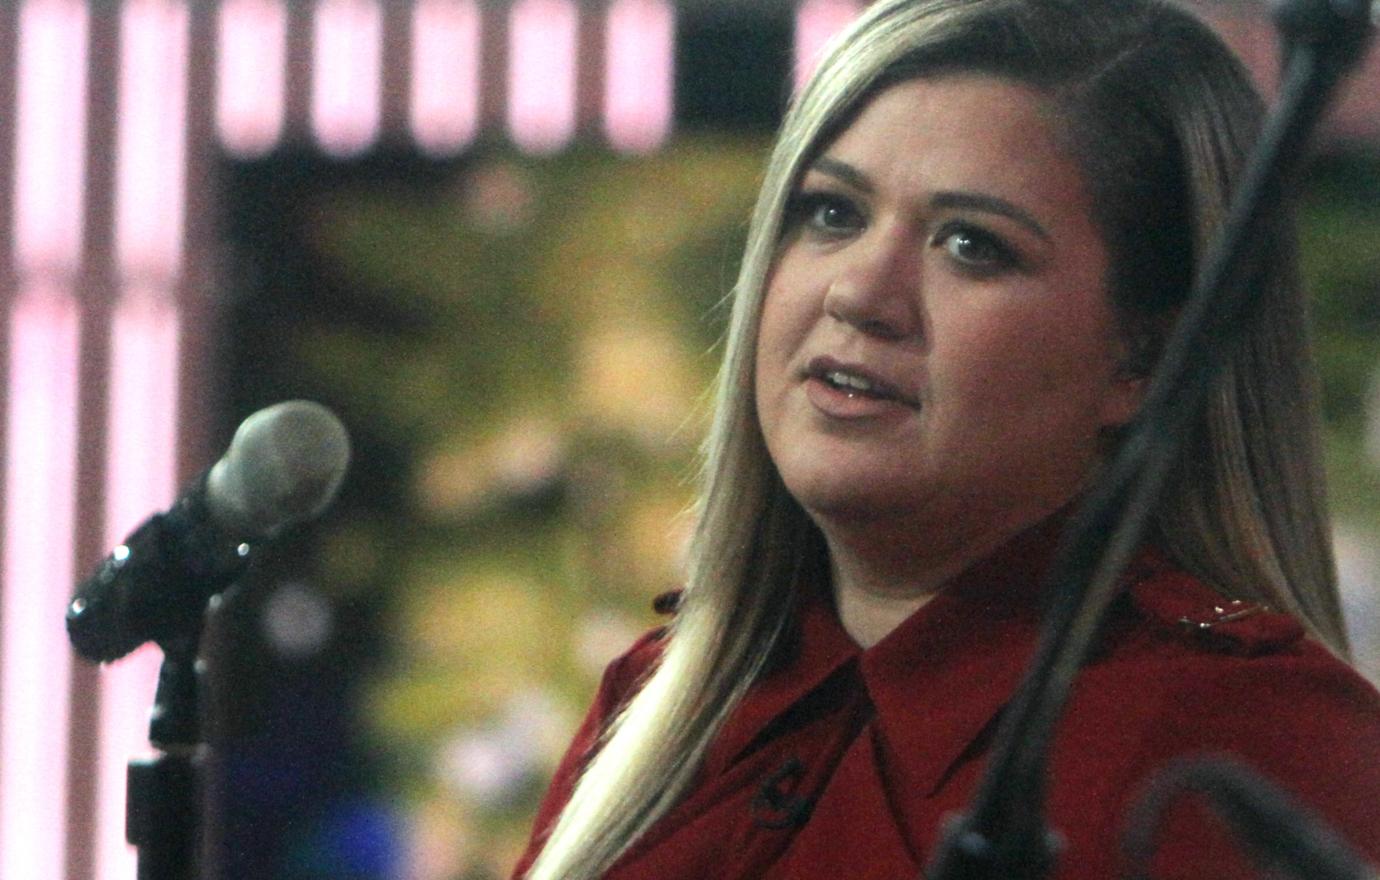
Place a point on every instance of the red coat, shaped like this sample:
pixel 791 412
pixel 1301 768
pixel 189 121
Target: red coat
pixel 842 762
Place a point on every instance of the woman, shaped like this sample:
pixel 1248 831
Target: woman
pixel 975 229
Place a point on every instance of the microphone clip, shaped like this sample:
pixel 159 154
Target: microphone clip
pixel 155 586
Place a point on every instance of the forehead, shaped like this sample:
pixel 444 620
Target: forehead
pixel 967 131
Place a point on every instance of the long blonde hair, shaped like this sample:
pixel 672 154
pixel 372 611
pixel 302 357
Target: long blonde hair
pixel 1160 115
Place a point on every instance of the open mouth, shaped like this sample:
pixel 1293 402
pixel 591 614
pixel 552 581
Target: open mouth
pixel 855 382
pixel 850 383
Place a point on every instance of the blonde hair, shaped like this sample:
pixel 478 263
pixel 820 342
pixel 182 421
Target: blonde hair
pixel 1160 115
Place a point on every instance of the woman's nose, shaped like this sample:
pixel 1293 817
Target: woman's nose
pixel 877 288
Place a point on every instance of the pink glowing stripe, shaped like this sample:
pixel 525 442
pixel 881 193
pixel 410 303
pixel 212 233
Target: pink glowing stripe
pixel 639 75
pixel 541 73
pixel 152 138
pixel 251 61
pixel 816 21
pixel 345 75
pixel 445 74
pixel 40 478
pixel 126 695
pixel 51 135
pixel 140 479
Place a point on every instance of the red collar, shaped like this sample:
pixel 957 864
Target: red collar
pixel 936 680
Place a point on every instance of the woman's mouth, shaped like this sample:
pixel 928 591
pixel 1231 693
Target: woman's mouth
pixel 853 380
pixel 853 383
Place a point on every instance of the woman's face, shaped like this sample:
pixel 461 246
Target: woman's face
pixel 937 342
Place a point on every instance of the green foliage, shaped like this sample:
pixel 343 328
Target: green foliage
pixel 528 344
pixel 1339 229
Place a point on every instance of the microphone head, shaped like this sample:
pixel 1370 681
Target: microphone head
pixel 284 465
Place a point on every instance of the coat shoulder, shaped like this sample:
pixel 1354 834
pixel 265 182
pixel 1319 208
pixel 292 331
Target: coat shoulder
pixel 1176 603
pixel 1237 674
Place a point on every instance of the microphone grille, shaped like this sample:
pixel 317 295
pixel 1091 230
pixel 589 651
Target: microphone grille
pixel 285 465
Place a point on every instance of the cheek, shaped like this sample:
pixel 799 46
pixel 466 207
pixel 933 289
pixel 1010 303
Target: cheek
pixel 768 358
pixel 782 325
pixel 1028 357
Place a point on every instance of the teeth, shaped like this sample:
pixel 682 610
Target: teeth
pixel 848 380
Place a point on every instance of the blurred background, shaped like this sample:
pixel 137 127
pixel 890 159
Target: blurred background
pixel 495 238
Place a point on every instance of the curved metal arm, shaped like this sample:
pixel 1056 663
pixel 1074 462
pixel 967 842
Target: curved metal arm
pixel 1278 832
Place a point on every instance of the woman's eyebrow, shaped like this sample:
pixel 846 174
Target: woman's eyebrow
pixel 990 204
pixel 843 172
pixel 970 201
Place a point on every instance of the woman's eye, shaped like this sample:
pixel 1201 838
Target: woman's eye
pixel 825 213
pixel 976 249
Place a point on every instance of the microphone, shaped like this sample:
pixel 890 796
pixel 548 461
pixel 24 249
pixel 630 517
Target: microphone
pixel 284 466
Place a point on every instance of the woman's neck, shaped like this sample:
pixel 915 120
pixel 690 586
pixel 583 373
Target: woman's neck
pixel 879 580
pixel 872 601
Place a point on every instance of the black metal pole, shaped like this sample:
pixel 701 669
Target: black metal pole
pixel 1004 836
pixel 156 586
pixel 163 810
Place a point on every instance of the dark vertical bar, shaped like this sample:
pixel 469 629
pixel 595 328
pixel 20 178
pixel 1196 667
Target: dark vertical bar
pixel 201 310
pixel 297 75
pixel 199 306
pixel 396 73
pixel 9 103
pixel 200 399
pixel 197 294
pixel 9 97
pixel 591 70
pixel 96 292
pixel 101 143
pixel 493 69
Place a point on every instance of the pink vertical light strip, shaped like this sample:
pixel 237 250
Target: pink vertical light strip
pixel 445 74
pixel 816 21
pixel 51 135
pixel 140 479
pixel 639 84
pixel 346 61
pixel 150 180
pixel 543 35
pixel 251 60
pixel 40 477
pixel 40 469
pixel 151 144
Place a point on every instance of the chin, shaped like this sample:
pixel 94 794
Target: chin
pixel 837 497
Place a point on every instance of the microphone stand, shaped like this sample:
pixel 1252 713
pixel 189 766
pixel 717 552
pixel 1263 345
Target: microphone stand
pixel 164 793
pixel 1280 834
pixel 163 806
pixel 284 465
pixel 1003 836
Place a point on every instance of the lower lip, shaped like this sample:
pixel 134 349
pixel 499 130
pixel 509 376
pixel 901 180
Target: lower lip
pixel 839 404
